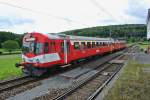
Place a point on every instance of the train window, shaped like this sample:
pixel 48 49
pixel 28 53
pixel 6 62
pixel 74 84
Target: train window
pixel 76 45
pixel 38 48
pixel 52 47
pixel 97 44
pixel 93 44
pixel 46 48
pixel 83 46
pixel 103 43
pixel 88 45
pixel 62 47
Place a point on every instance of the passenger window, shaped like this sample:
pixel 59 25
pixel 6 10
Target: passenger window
pixel 97 44
pixel 103 43
pixel 88 45
pixel 76 45
pixel 46 48
pixel 83 46
pixel 93 44
pixel 52 47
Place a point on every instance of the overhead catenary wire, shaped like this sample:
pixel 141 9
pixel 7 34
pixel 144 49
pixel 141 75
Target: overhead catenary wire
pixel 43 13
pixel 95 3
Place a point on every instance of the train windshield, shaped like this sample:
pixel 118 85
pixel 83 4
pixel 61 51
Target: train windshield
pixel 38 48
pixel 28 47
pixel 32 47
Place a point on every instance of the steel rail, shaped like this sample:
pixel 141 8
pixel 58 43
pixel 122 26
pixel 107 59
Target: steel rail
pixel 10 84
pixel 71 90
pixel 95 94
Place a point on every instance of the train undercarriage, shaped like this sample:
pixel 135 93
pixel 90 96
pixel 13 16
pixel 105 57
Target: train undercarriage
pixel 30 70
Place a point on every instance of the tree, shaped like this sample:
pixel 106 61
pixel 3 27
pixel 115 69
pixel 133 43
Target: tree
pixel 10 45
pixel 4 36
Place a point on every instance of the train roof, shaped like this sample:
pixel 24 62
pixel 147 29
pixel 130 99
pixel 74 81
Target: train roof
pixel 80 38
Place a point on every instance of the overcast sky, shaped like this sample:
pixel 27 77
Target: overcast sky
pixel 50 16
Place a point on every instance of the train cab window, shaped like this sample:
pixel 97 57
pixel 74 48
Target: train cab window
pixel 88 45
pixel 83 45
pixel 52 47
pixel 46 47
pixel 93 44
pixel 76 45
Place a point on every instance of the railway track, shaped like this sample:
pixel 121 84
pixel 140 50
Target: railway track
pixel 13 83
pixel 58 94
pixel 88 86
pixel 92 83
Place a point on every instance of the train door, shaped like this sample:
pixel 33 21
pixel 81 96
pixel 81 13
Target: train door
pixel 65 51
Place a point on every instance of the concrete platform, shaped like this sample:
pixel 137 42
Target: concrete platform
pixel 117 61
pixel 75 73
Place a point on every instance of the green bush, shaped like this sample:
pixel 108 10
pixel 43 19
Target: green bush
pixel 10 45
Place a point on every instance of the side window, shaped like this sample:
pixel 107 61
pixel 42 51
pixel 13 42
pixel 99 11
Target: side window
pixel 93 44
pixel 83 46
pixel 103 43
pixel 52 47
pixel 76 45
pixel 62 46
pixel 88 45
pixel 97 44
pixel 100 44
pixel 46 48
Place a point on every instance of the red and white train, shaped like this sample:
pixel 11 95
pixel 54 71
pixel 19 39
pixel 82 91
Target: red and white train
pixel 42 51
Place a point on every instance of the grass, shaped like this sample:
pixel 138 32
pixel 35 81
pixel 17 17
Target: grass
pixel 143 45
pixel 2 50
pixel 5 51
pixel 133 84
pixel 7 66
pixel 129 44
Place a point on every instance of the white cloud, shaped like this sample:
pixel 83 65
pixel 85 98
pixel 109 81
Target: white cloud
pixel 81 13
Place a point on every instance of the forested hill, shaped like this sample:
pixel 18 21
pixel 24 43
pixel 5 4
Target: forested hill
pixel 134 32
pixel 127 30
pixel 4 36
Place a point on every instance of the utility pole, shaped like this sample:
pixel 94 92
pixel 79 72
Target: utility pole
pixel 110 33
pixel 110 38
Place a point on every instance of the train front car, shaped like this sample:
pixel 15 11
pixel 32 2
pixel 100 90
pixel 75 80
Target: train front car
pixel 36 56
